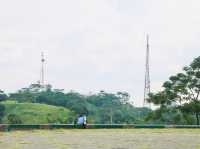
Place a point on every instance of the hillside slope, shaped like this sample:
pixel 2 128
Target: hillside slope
pixel 34 113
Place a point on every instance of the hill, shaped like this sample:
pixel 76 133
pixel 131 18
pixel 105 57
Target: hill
pixel 100 107
pixel 34 113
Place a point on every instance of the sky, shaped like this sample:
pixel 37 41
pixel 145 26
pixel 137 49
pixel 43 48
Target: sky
pixel 93 45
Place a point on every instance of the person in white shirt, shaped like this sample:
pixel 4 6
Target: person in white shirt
pixel 82 120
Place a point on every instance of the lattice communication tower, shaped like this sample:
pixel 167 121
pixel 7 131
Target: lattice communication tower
pixel 147 86
pixel 42 70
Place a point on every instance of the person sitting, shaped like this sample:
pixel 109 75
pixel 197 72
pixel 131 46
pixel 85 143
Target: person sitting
pixel 82 120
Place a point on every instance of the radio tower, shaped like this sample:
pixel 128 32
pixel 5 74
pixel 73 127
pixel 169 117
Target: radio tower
pixel 147 77
pixel 42 70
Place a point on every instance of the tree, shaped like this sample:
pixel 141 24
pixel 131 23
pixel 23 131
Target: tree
pixel 182 90
pixel 124 97
pixel 3 96
pixel 14 119
pixel 2 109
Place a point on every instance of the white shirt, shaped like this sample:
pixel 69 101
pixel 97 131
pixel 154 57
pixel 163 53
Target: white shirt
pixel 82 120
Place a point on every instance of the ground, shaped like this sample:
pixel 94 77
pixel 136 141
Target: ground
pixel 102 139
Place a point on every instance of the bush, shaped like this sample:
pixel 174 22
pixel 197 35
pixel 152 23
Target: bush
pixel 166 115
pixel 2 109
pixel 14 119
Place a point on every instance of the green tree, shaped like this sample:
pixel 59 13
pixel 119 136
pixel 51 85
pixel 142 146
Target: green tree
pixel 182 91
pixel 2 109
pixel 14 119
pixel 3 97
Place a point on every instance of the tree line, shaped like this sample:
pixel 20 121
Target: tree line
pixel 100 107
pixel 177 103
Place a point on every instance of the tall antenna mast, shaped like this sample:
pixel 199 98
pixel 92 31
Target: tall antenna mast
pixel 42 69
pixel 147 76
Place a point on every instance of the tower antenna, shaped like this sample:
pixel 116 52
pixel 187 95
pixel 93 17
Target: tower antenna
pixel 147 86
pixel 42 70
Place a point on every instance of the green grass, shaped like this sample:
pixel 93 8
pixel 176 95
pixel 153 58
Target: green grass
pixel 34 113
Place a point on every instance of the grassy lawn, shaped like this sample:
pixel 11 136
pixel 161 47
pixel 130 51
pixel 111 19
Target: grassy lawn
pixel 34 113
pixel 102 139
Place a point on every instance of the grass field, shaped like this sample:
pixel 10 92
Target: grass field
pixel 34 113
pixel 102 139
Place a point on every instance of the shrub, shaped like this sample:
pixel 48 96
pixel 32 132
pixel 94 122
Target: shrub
pixel 2 109
pixel 14 119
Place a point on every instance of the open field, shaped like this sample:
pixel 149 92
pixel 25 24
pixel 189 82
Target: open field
pixel 102 139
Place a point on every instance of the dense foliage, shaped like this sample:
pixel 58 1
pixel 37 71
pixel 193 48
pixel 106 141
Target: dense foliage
pixel 2 108
pixel 101 107
pixel 181 94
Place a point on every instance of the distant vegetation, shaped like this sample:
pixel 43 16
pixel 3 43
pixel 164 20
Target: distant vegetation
pixel 178 103
pixel 32 105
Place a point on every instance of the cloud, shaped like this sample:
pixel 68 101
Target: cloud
pixel 92 45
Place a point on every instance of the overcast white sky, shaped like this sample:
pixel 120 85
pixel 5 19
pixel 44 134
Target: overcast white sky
pixel 94 45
